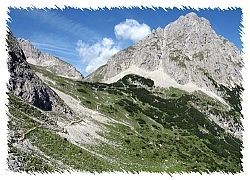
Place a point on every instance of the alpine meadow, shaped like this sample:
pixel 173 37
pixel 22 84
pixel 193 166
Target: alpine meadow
pixel 168 102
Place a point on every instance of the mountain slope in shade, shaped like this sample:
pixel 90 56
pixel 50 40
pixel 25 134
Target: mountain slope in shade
pixel 53 64
pixel 24 83
pixel 186 54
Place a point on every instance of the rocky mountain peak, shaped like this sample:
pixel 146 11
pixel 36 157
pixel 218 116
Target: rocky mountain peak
pixel 191 22
pixel 187 54
pixel 193 17
pixel 53 64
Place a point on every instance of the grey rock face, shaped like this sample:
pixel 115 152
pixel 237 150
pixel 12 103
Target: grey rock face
pixel 51 63
pixel 188 50
pixel 25 84
pixel 186 53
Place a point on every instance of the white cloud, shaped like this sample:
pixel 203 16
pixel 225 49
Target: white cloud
pixel 95 55
pixel 132 30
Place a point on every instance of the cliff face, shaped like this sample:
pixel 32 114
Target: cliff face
pixel 51 63
pixel 25 84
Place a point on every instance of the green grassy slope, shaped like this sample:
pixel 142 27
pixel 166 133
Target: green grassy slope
pixel 163 130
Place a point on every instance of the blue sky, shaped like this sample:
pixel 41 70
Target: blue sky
pixel 87 38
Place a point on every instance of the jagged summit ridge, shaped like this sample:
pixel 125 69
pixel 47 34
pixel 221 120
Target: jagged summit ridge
pixel 53 64
pixel 187 51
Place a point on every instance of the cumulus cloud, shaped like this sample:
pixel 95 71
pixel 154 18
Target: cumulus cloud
pixel 131 30
pixel 95 55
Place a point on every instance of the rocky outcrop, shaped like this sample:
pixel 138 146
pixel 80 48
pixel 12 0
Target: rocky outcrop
pixel 51 63
pixel 25 84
